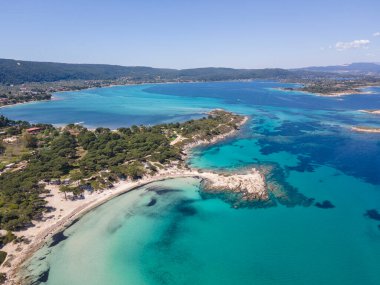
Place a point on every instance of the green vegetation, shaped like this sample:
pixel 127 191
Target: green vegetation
pixel 207 128
pixel 18 72
pixel 3 255
pixel 11 98
pixel 330 87
pixel 25 81
pixel 75 190
pixel 8 237
pixel 79 159
pixel 107 149
pixel 342 86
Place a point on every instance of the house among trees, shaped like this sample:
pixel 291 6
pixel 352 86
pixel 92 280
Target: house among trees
pixel 34 130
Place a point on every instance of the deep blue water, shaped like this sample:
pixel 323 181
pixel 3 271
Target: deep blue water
pixel 266 94
pixel 192 238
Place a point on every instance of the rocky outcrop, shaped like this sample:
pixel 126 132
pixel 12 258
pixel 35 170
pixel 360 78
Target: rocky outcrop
pixel 250 185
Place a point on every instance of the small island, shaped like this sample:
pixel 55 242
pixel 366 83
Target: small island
pixel 374 112
pixel 335 87
pixel 362 129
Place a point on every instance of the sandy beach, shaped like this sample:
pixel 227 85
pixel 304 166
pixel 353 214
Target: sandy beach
pixel 68 211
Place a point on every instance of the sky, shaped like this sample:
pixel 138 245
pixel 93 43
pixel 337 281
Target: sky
pixel 192 33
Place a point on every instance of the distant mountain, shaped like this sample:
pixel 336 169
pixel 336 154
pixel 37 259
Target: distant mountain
pixel 18 71
pixel 360 68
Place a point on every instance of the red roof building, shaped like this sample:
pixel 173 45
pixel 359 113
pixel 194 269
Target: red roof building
pixel 34 130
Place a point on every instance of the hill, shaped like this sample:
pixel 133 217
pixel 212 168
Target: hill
pixel 18 72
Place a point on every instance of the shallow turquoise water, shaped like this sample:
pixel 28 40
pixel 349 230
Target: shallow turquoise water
pixel 185 238
pixel 113 107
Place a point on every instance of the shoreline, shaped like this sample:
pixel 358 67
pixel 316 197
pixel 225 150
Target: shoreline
pixel 336 94
pixel 73 90
pixel 45 233
pixel 67 212
pixel 136 84
pixel 44 236
pixel 24 103
pixel 188 147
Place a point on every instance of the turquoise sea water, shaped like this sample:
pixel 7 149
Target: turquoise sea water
pixel 113 107
pixel 169 233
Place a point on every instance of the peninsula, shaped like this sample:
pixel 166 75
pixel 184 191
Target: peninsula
pixel 51 176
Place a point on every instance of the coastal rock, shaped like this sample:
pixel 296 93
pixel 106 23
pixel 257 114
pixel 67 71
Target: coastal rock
pixel 250 186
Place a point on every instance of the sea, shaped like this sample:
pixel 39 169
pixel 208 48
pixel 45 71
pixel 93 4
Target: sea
pixel 323 227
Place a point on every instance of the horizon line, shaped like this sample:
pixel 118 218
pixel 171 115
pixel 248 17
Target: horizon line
pixel 201 67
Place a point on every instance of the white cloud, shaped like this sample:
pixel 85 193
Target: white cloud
pixel 377 34
pixel 340 46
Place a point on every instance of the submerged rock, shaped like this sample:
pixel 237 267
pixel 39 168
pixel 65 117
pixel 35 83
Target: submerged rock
pixel 373 214
pixel 41 278
pixel 152 202
pixel 57 238
pixel 281 190
pixel 324 205
pixel 236 200
pixel 162 191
